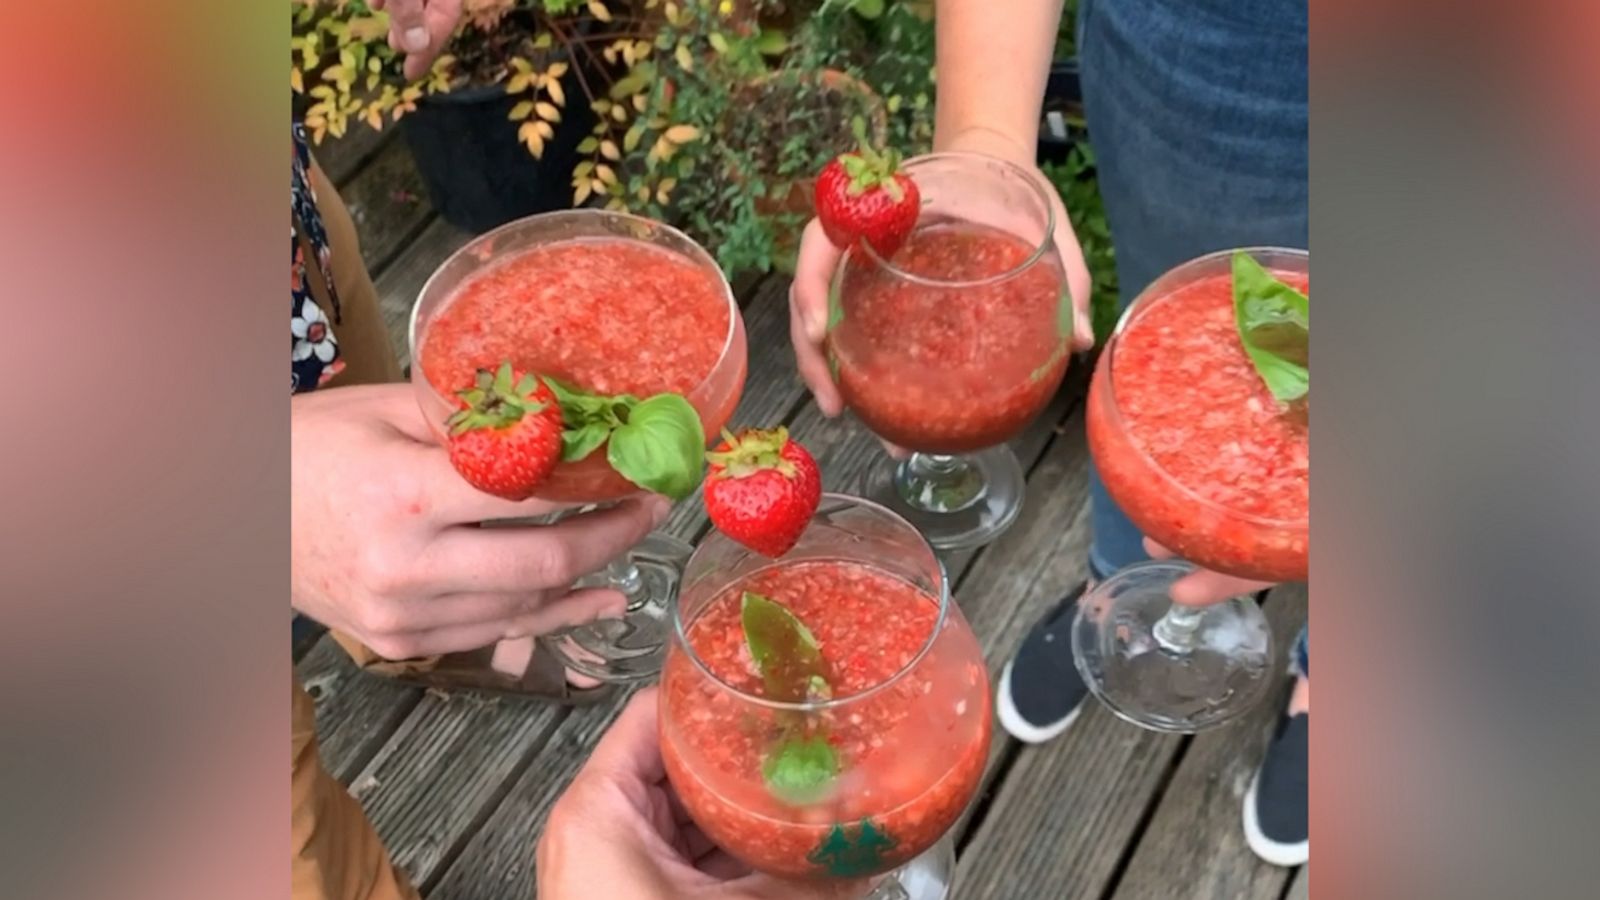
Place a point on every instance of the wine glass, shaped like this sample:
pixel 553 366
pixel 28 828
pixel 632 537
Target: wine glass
pixel 952 346
pixel 864 770
pixel 631 647
pixel 1242 509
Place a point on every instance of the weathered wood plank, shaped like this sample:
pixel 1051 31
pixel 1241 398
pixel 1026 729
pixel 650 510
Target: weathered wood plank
pixel 388 203
pixel 445 768
pixel 401 283
pixel 342 158
pixel 356 711
pixel 1194 845
pixel 1065 811
pixel 1024 574
pixel 497 864
pixel 1301 888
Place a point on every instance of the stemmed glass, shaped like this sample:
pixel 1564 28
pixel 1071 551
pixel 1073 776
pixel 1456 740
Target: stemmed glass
pixel 631 647
pixel 954 345
pixel 901 724
pixel 1153 662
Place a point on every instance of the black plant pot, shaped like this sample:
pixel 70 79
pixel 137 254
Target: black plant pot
pixel 478 175
pixel 1064 96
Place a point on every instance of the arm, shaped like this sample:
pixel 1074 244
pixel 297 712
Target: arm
pixel 993 59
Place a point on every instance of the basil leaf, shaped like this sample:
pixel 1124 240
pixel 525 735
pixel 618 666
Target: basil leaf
pixel 578 443
pixel 579 407
pixel 835 309
pixel 800 771
pixel 785 651
pixel 1274 323
pixel 661 447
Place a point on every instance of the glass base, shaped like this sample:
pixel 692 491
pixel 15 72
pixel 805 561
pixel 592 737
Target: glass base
pixel 1168 667
pixel 957 502
pixel 630 648
pixel 928 877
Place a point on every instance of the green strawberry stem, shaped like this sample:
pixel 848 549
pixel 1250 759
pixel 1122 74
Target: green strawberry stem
pixel 755 451
pixel 494 401
pixel 869 168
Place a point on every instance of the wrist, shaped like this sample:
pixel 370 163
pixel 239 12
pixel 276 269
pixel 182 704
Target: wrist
pixel 990 142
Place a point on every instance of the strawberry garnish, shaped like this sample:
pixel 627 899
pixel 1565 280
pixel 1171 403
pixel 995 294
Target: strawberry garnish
pixel 862 196
pixel 762 489
pixel 506 438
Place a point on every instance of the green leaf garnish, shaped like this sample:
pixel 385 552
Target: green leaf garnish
pixel 1274 323
pixel 801 766
pixel 658 443
pixel 800 771
pixel 784 649
pixel 660 446
pixel 578 443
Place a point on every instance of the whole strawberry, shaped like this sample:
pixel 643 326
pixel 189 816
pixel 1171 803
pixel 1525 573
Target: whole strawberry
pixel 862 196
pixel 762 489
pixel 506 438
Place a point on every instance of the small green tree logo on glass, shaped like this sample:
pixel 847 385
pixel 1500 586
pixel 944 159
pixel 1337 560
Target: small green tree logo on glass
pixel 853 851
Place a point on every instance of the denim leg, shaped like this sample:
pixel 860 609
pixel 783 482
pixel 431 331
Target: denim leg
pixel 1197 112
pixel 1302 652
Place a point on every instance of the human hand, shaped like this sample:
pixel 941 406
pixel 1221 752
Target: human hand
pixel 420 29
pixel 814 272
pixel 386 544
pixel 1204 587
pixel 619 831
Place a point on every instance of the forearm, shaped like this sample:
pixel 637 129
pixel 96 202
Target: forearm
pixel 993 60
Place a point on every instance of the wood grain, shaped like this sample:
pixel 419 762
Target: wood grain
pixel 356 711
pixel 1300 889
pixel 401 283
pixel 389 204
pixel 341 158
pixel 446 766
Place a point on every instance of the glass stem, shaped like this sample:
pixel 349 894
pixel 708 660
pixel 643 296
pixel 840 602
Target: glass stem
pixel 889 888
pixel 626 578
pixel 934 482
pixel 1176 630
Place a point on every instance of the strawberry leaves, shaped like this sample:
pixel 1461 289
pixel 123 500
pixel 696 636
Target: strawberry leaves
pixel 801 767
pixel 1274 323
pixel 869 167
pixel 657 443
pixel 495 400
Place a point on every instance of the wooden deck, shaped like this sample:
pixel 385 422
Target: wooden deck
pixel 459 785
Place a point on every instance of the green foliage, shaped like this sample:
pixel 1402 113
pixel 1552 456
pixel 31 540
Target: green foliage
pixel 1079 186
pixel 1067 33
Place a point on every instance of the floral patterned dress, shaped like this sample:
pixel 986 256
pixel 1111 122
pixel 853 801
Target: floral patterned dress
pixel 314 352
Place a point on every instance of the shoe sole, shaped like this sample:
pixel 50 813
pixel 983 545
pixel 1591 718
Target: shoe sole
pixel 1017 726
pixel 1271 851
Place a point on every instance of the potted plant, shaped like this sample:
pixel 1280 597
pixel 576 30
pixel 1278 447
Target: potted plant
pixel 495 126
pixel 725 129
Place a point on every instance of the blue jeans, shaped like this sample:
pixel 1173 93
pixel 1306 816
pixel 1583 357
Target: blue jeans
pixel 1197 113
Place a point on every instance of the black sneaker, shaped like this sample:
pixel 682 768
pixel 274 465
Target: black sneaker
pixel 1275 809
pixel 1040 692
